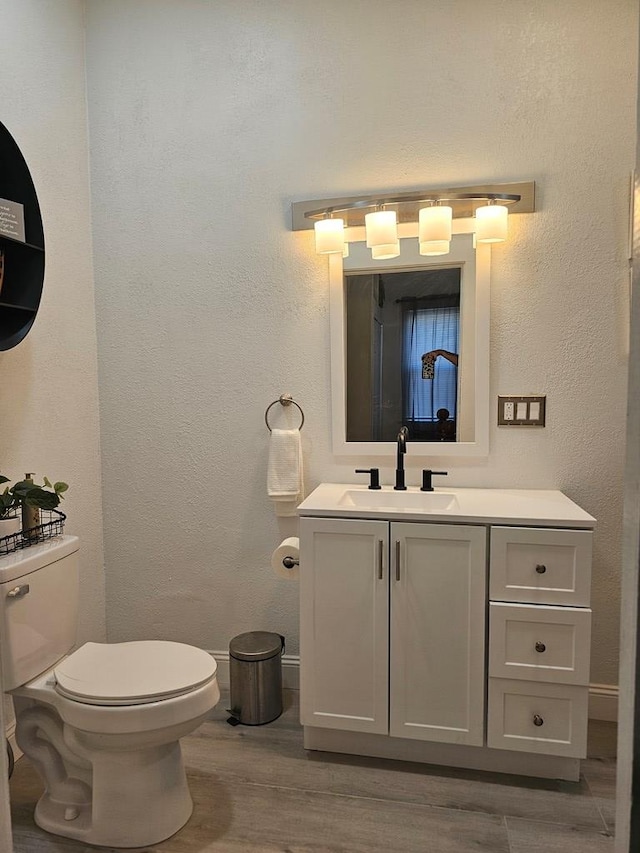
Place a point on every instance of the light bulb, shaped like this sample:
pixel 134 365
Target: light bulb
pixel 329 236
pixel 491 223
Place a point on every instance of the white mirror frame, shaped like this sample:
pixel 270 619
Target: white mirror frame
pixel 476 291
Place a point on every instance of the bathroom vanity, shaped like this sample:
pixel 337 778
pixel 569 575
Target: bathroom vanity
pixel 449 627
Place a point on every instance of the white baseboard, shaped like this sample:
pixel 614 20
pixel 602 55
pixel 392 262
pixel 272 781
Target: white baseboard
pixel 603 702
pixel 603 698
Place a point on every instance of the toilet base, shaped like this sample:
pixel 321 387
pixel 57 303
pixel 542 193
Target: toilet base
pixel 139 798
pixel 113 775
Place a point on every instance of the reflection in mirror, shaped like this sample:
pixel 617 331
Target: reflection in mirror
pixel 410 347
pixel 403 340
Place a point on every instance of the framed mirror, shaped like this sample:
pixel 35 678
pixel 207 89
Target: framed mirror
pixel 410 347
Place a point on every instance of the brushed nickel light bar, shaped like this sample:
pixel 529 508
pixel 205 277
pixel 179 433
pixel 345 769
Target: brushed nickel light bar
pixel 433 209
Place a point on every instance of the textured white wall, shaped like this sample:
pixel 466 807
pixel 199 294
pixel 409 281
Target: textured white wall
pixel 207 120
pixel 49 420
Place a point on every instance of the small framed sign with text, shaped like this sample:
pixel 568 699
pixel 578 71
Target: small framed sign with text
pixel 12 219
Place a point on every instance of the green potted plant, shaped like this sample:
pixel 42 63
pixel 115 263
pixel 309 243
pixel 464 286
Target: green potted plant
pixel 28 497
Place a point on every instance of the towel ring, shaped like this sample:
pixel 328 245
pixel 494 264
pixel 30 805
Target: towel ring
pixel 284 400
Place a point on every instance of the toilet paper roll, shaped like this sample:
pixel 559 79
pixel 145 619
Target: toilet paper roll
pixel 289 547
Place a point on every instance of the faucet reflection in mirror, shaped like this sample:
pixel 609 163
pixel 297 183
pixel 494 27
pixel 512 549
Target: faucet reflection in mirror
pixel 434 211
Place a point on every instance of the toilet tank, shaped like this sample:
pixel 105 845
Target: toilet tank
pixel 39 608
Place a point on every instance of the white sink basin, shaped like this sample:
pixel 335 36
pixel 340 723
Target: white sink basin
pixel 530 507
pixel 421 501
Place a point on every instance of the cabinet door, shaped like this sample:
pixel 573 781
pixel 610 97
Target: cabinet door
pixel 438 616
pixel 344 624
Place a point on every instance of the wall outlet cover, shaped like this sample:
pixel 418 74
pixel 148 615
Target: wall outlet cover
pixel 522 410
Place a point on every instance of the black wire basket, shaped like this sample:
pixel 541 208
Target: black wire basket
pixel 51 524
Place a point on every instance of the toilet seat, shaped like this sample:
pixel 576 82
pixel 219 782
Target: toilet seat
pixel 135 673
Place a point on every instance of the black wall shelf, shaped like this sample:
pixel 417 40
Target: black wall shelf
pixel 23 277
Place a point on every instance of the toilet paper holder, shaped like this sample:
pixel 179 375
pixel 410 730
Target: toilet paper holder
pixel 286 558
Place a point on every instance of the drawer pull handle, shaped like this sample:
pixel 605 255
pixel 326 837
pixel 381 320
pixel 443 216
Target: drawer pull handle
pixel 540 647
pixel 537 720
pixel 541 569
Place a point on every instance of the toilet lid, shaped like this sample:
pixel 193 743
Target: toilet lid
pixel 133 673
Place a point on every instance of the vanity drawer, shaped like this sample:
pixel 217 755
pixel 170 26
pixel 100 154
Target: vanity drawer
pixel 540 566
pixel 545 718
pixel 539 643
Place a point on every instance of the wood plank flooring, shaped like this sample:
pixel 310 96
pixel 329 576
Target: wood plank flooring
pixel 256 790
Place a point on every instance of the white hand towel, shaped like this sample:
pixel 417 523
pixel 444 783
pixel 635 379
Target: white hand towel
pixel 284 470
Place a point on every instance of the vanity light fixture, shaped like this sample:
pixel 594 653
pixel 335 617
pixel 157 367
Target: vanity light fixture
pixel 434 229
pixel 491 223
pixel 329 235
pixel 426 214
pixel 381 228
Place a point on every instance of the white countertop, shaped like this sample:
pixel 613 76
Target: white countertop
pixel 530 507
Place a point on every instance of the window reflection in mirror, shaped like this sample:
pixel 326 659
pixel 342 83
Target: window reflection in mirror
pixel 402 349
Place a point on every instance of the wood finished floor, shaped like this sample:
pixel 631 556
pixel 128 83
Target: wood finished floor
pixel 256 790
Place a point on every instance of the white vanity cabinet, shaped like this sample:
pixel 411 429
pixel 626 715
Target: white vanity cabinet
pixel 450 628
pixel 393 618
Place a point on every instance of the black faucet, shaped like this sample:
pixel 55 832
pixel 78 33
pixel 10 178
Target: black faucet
pixel 402 449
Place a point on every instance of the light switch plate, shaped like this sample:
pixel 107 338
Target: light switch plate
pixel 521 410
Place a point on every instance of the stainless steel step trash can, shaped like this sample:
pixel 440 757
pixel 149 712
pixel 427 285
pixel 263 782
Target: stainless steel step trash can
pixel 255 673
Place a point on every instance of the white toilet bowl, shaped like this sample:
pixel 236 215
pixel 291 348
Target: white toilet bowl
pixel 103 727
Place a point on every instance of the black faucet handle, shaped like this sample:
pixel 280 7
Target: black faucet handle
pixel 427 474
pixel 374 473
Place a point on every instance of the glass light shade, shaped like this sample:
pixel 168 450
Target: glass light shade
pixel 385 251
pixel 491 223
pixel 435 247
pixel 329 236
pixel 434 223
pixel 381 228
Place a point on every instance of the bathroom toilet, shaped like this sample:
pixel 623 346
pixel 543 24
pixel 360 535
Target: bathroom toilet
pixel 101 724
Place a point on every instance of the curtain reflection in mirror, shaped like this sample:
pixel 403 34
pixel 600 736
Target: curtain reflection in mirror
pixel 431 329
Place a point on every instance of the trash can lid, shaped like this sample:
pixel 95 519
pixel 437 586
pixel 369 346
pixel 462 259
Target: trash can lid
pixel 256 645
